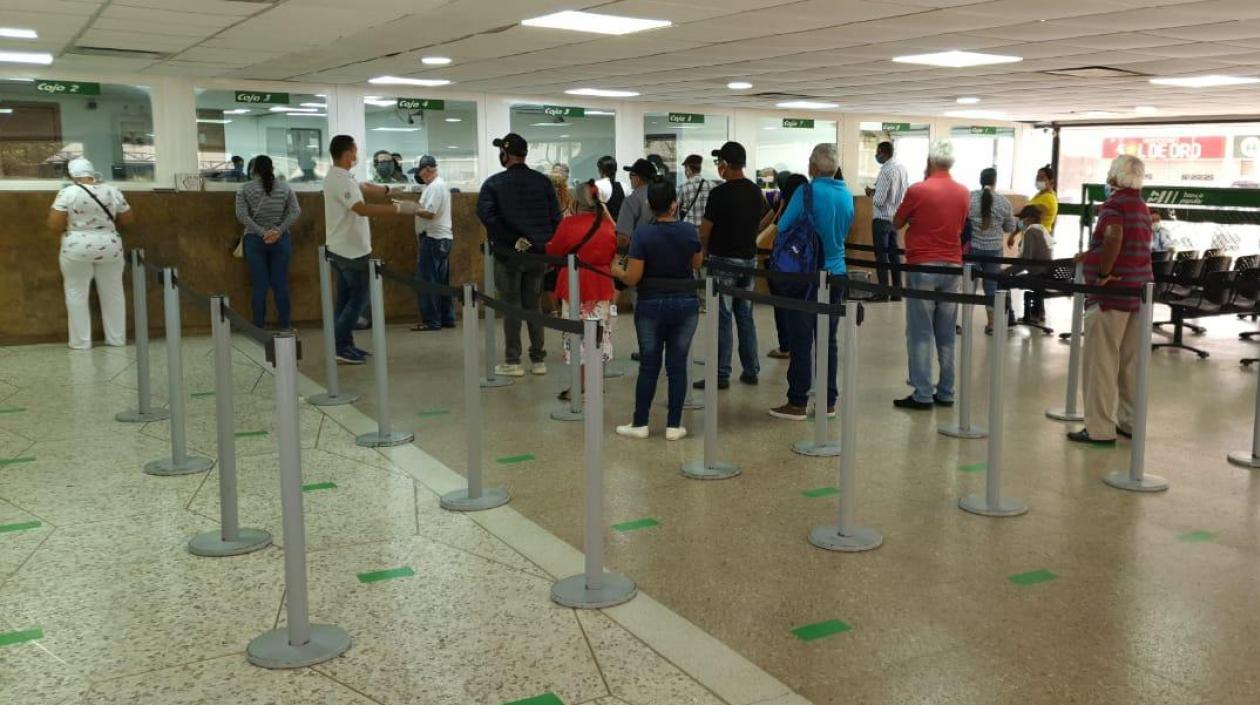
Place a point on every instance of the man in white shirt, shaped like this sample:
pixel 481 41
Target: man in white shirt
pixel 435 239
pixel 348 235
pixel 886 197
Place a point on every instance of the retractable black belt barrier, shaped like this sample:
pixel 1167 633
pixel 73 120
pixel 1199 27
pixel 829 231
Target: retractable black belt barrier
pixel 558 324
pixel 1036 283
pixel 420 286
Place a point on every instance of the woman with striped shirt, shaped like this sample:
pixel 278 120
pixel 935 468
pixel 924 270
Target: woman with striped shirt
pixel 268 208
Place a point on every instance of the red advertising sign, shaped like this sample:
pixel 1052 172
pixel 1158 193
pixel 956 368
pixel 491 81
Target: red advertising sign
pixel 1165 148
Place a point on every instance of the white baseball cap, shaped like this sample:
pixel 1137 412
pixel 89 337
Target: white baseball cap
pixel 80 167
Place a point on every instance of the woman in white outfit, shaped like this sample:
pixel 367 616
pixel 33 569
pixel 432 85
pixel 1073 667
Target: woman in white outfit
pixel 88 213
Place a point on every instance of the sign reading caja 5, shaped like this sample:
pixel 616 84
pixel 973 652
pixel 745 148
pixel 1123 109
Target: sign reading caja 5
pixel 68 88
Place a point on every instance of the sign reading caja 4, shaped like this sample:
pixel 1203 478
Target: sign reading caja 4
pixel 68 88
pixel 262 97
pixel 421 104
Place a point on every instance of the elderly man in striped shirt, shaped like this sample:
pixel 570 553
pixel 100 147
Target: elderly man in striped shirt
pixel 886 197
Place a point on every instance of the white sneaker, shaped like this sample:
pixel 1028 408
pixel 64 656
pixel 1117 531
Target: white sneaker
pixel 632 431
pixel 675 433
pixel 509 370
pixel 538 368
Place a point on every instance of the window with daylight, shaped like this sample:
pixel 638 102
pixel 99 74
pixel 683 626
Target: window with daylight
pixel 784 144
pixel 977 148
pixel 235 126
pixel 674 136
pixel 910 148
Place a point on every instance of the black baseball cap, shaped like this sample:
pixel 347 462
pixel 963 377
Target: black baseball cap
pixel 425 162
pixel 732 153
pixel 643 169
pixel 513 144
pixel 694 161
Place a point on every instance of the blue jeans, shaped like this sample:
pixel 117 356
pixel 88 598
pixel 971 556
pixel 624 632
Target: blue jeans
pixel 742 311
pixel 433 264
pixel 665 327
pixel 352 299
pixel 928 324
pixel 884 237
pixel 990 286
pixel 800 374
pixel 269 269
pixel 782 319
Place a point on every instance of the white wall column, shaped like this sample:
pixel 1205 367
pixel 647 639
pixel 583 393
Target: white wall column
pixel 346 117
pixel 174 128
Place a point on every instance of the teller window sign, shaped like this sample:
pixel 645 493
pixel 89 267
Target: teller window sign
pixel 234 126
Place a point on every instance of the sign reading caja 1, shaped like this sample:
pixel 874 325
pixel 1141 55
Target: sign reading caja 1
pixel 421 104
pixel 686 118
pixel 262 97
pixel 68 88
pixel 798 124
pixel 563 111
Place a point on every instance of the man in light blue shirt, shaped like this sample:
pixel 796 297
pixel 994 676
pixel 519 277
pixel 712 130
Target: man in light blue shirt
pixel 832 217
pixel 886 197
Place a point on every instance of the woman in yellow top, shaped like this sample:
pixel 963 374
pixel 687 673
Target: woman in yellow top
pixel 1046 199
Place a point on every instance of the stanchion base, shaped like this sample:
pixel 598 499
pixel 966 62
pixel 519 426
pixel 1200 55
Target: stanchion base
pixel 953 430
pixel 1064 415
pixel 573 592
pixel 690 403
pixel 376 439
pixel 977 504
pixel 854 540
pixel 212 545
pixel 167 466
pixel 721 470
pixel 137 416
pixel 814 450
pixel 1244 459
pixel 459 501
pixel 326 399
pixel 272 649
pixel 491 382
pixel 1148 483
pixel 567 415
pixel 613 372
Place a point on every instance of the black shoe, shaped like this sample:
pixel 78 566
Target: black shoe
pixel 745 378
pixel 1082 436
pixel 449 325
pixel 942 402
pixel 1122 432
pixel 911 403
pixel 634 356
pixel 722 384
pixel 894 299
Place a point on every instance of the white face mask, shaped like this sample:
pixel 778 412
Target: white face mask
pixel 1042 185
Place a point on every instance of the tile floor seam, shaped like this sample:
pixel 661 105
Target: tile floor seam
pixel 586 638
pixel 205 477
pixel 29 556
pixel 319 430
pixel 348 687
pixel 275 624
pixel 31 512
pixel 194 662
pixel 679 668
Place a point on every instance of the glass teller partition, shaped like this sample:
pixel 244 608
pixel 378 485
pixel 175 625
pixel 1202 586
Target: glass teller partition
pixel 568 135
pixel 673 136
pixel 291 128
pixel 415 127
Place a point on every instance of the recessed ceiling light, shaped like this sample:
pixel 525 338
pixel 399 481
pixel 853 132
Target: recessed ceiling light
pixel 237 111
pixel 739 85
pixel 594 22
pixel 452 146
pixel 454 119
pixel 321 106
pixel 26 57
pixel 395 129
pixel 400 81
pixel 206 121
pixel 435 60
pixel 601 92
pixel 321 95
pixel 599 112
pixel 977 114
pixel 17 33
pixel 807 105
pixel 564 137
pixel 1212 81
pixel 967 100
pixel 19 80
pixel 1146 109
pixel 957 59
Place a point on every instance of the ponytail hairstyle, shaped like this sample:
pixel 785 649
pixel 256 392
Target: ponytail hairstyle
pixel 988 179
pixel 264 170
pixel 1048 172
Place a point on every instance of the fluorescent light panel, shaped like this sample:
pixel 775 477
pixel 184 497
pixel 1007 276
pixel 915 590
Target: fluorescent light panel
pixel 601 92
pixel 26 57
pixel 401 81
pixel 1212 81
pixel 594 22
pixel 237 111
pixel 435 60
pixel 967 100
pixel 287 109
pixel 739 85
pixel 6 111
pixel 454 119
pixel 18 33
pixel 207 121
pixel 321 106
pixel 395 129
pixel 957 59
pixel 807 105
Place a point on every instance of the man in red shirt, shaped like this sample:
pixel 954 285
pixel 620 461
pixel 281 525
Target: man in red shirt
pixel 1119 255
pixel 935 210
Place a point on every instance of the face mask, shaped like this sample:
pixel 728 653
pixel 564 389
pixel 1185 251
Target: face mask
pixel 385 169
pixel 502 158
pixel 1042 185
pixel 880 159
pixel 1108 190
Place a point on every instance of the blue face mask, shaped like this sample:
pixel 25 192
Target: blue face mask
pixel 1108 190
pixel 880 160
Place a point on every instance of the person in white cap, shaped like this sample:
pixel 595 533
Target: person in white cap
pixel 87 214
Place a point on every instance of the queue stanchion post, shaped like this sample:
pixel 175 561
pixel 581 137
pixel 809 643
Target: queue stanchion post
pixel 709 467
pixel 691 401
pixel 334 396
pixel 845 536
pixel 490 378
pixel 474 497
pixel 1070 412
pixel 144 411
pixel 821 446
pixel 595 588
pixel 230 539
pixel 992 503
pixel 384 436
pixel 1250 458
pixel 180 462
pixel 299 643
pixel 1136 479
pixel 962 427
pixel 574 410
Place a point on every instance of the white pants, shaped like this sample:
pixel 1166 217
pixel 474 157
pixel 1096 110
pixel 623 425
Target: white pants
pixel 78 277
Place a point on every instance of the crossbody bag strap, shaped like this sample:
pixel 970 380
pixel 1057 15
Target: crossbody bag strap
pixel 88 191
pixel 699 189
pixel 599 220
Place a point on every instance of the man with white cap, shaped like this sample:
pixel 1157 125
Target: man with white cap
pixel 435 239
pixel 88 214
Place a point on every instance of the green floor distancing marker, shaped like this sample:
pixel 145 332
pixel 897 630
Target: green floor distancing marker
pixel 379 575
pixel 1033 577
pixel 12 409
pixel 1188 537
pixel 201 395
pixel 250 434
pixel 810 632
pixel 972 467
pixel 317 486
pixel 429 413
pixel 26 635
pixel 24 526
pixel 6 462
pixel 544 699
pixel 645 523
pixel 821 492
pixel 513 459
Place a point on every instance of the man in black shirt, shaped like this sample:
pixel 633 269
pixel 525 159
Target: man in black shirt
pixel 519 208
pixel 729 234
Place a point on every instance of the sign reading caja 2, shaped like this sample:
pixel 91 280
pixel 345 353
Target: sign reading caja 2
pixel 262 97
pixel 421 104
pixel 68 88
pixel 563 111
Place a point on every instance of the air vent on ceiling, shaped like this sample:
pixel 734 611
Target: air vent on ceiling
pixel 117 53
pixel 1094 72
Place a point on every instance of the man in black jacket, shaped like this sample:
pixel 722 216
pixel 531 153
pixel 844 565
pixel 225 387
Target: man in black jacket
pixel 519 208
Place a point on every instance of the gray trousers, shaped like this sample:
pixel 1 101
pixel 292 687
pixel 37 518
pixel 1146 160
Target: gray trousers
pixel 520 284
